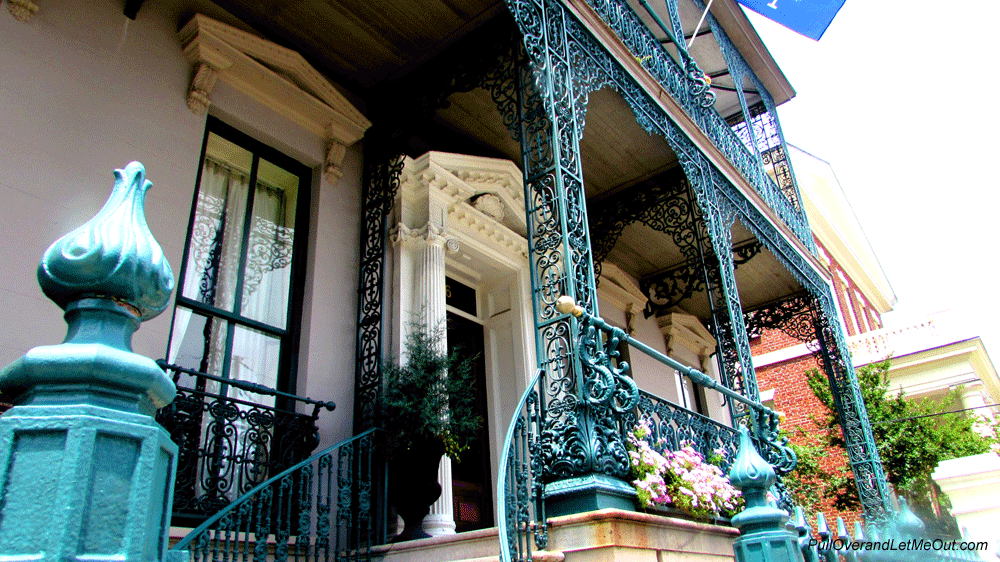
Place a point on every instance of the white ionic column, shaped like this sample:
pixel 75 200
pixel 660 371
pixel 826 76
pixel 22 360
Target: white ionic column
pixel 429 300
pixel 424 251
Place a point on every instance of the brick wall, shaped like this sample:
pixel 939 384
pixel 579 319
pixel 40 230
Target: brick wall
pixel 793 397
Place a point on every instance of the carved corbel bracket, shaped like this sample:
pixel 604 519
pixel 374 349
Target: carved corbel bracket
pixel 22 10
pixel 199 94
pixel 335 152
pixel 208 63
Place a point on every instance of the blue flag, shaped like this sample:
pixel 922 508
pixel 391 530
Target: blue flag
pixel 807 17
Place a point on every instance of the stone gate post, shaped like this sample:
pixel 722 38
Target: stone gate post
pixel 85 470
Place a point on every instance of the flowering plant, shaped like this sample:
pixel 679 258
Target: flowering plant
pixel 682 479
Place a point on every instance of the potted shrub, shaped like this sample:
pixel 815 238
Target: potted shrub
pixel 428 410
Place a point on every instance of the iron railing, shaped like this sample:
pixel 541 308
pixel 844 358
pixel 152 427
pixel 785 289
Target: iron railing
pixel 230 439
pixel 520 502
pixel 319 509
pixel 674 426
pixel 521 493
pixel 688 86
pixel 901 538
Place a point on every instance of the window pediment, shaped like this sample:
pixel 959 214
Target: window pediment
pixel 277 77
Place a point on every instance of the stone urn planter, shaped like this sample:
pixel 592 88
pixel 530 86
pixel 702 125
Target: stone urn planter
pixel 414 487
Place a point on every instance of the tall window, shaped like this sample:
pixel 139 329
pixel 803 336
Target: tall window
pixel 240 294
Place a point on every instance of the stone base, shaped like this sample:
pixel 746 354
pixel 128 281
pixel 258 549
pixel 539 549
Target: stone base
pixel 588 493
pixel 81 481
pixel 608 535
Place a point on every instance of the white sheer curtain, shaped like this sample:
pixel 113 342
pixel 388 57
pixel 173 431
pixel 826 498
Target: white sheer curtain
pixel 213 263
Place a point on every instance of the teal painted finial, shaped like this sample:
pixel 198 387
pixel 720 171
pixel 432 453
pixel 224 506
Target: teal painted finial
pixel 109 274
pixel 113 255
pixel 907 522
pixel 87 471
pixel 763 534
pixel 750 472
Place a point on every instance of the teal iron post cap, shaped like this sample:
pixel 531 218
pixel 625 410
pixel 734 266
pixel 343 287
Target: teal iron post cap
pixel 88 472
pixel 750 470
pixel 113 255
pixel 108 275
pixel 764 536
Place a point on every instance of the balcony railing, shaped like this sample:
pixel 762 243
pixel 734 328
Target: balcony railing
pixel 231 436
pixel 522 478
pixel 688 86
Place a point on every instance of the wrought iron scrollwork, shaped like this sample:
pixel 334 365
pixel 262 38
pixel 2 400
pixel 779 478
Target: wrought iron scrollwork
pixel 227 445
pixel 322 503
pixel 382 168
pixel 674 427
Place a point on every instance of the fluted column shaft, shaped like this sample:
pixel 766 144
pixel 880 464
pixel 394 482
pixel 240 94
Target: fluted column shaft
pixel 424 249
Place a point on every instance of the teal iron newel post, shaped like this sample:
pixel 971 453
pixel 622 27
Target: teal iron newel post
pixel 763 535
pixel 85 470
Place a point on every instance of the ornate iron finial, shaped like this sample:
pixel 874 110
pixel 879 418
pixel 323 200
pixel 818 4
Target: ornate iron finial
pixel 763 533
pixel 113 255
pixel 907 522
pixel 751 473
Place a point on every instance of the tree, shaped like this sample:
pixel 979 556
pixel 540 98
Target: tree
pixel 912 437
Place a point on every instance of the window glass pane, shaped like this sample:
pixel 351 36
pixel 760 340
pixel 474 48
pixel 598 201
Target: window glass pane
pixel 268 271
pixel 254 359
pixel 217 231
pixel 197 342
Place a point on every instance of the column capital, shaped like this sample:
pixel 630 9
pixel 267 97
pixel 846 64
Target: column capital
pixel 426 235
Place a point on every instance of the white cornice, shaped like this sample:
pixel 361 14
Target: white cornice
pixel 455 179
pixel 276 77
pixel 837 228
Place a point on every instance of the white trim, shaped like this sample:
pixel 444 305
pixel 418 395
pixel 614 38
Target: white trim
pixel 274 76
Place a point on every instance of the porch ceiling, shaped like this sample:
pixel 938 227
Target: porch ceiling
pixel 360 44
pixel 616 151
pixel 643 253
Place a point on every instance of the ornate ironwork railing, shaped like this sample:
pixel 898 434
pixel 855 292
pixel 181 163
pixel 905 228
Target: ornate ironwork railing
pixel 520 504
pixel 318 509
pixel 523 476
pixel 230 439
pixel 688 86
pixel 674 426
pixel 902 538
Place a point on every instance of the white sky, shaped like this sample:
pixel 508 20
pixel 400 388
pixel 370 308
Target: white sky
pixel 898 97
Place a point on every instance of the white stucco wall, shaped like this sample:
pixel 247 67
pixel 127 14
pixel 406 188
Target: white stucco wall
pixel 84 90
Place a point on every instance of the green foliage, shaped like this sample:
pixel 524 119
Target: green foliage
pixel 429 396
pixel 909 445
pixel 809 483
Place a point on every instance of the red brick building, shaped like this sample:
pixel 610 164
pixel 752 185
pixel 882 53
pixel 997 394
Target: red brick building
pixel 863 295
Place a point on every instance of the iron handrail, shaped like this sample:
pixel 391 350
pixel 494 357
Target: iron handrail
pixel 214 519
pixel 566 305
pixel 249 386
pixel 508 515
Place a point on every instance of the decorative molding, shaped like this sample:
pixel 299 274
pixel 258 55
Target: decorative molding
pixel 428 233
pixel 687 331
pixel 489 229
pixel 276 77
pixel 490 205
pixel 334 158
pixel 22 10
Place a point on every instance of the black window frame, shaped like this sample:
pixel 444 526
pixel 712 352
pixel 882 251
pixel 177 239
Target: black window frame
pixel 290 335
